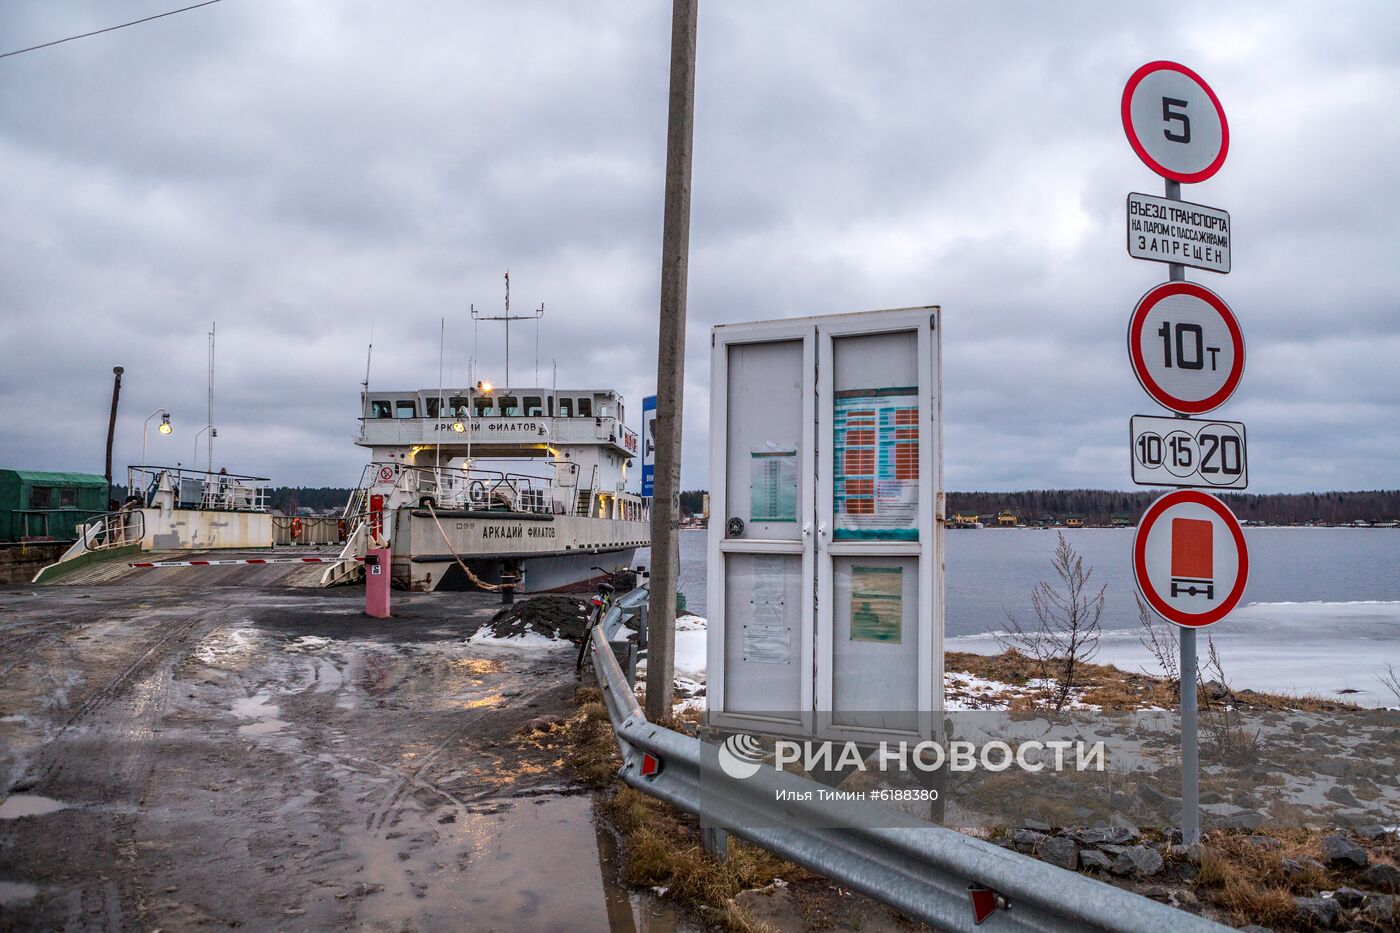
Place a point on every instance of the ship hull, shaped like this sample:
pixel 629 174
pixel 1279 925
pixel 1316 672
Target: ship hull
pixel 552 551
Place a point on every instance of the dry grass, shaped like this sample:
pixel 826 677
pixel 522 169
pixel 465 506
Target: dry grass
pixel 1113 689
pixel 1248 883
pixel 660 845
pixel 594 750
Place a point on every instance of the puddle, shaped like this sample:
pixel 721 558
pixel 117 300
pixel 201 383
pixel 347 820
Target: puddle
pixel 16 892
pixel 19 805
pixel 261 708
pixel 577 893
pixel 307 643
pixel 266 727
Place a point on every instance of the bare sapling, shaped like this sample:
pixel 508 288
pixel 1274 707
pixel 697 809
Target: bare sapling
pixel 1390 680
pixel 1159 638
pixel 1065 636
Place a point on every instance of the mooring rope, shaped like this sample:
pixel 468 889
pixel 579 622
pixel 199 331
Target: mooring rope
pixel 491 587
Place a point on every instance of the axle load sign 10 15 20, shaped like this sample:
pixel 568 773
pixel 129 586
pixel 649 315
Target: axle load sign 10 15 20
pixel 1189 558
pixel 1186 347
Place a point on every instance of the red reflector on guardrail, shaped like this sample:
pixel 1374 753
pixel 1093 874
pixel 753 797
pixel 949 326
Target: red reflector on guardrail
pixel 985 902
pixel 651 765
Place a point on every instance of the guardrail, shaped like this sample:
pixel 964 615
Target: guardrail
pixel 924 871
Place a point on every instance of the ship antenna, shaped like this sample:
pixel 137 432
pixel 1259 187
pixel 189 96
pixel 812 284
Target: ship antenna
pixel 369 354
pixel 508 317
pixel 437 449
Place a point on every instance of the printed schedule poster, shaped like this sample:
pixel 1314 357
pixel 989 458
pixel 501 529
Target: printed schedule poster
pixel 767 635
pixel 877 603
pixel 876 449
pixel 773 486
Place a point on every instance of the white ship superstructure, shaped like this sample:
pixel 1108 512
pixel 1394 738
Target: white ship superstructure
pixel 480 486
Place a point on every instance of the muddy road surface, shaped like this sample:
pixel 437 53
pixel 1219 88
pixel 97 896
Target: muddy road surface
pixel 273 759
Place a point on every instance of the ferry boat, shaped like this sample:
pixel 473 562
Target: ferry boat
pixel 476 487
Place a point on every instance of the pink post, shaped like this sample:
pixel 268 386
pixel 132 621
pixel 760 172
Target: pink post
pixel 377 583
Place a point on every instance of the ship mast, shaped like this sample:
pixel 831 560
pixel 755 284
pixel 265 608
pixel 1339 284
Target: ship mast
pixel 508 317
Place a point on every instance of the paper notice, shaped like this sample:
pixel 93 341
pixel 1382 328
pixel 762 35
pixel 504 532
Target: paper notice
pixel 877 603
pixel 767 636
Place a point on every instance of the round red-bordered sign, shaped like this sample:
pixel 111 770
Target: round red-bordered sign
pixel 386 474
pixel 1189 552
pixel 1174 122
pixel 1195 364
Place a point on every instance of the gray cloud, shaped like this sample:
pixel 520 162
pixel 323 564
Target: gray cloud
pixel 298 170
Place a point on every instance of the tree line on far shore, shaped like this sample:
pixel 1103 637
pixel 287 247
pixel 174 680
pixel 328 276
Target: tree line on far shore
pixel 1097 506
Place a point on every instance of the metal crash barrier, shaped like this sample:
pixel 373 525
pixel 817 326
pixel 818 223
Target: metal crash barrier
pixel 928 873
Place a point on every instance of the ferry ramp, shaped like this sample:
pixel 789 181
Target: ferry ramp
pixel 284 569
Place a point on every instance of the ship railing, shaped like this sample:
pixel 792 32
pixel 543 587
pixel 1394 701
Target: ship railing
pixel 113 530
pixel 451 488
pixel 202 490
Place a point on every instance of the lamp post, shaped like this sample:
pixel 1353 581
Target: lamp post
pixel 112 427
pixel 164 428
pixel 213 432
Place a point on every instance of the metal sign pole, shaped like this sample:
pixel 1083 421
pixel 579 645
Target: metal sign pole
pixel 1190 763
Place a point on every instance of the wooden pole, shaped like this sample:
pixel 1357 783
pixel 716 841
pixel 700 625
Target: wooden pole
pixel 112 429
pixel 670 365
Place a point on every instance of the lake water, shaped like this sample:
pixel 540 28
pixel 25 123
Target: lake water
pixel 1321 612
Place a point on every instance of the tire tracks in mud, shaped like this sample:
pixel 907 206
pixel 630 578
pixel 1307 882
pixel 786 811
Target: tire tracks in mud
pixel 411 777
pixel 120 903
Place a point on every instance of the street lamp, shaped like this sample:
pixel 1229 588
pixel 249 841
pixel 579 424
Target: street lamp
pixel 164 428
pixel 213 432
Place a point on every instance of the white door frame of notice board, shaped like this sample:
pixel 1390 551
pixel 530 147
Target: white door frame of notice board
pixel 816 642
pixel 718 546
pixel 925 323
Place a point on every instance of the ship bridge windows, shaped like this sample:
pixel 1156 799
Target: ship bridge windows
pixel 460 406
pixel 566 407
pixel 405 408
pixel 510 406
pixel 432 407
pixel 585 408
pixel 381 408
pixel 485 406
pixel 534 406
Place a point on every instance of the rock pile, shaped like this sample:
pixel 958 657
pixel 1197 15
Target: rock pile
pixel 552 616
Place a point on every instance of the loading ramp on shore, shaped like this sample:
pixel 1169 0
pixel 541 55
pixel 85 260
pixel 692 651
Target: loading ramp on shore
pixel 283 568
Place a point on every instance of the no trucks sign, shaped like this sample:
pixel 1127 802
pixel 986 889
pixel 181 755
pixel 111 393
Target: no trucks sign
pixel 1189 558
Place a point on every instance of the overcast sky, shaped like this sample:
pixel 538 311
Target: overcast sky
pixel 298 169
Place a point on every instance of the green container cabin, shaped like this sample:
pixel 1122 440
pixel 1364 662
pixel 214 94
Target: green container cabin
pixel 38 505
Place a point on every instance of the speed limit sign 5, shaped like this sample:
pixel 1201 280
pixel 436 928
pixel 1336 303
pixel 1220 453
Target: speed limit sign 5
pixel 1175 122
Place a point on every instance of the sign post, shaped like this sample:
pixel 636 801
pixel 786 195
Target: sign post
pixel 1187 351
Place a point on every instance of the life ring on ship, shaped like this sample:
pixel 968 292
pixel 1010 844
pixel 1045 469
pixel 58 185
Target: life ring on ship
pixel 296 527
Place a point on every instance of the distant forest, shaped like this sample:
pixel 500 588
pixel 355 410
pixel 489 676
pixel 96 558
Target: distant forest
pixel 1099 505
pixel 316 498
pixel 1096 505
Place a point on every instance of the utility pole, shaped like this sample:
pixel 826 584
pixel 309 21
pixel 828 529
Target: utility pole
pixel 670 365
pixel 112 426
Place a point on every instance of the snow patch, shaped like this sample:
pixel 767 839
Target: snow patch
pixel 484 637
